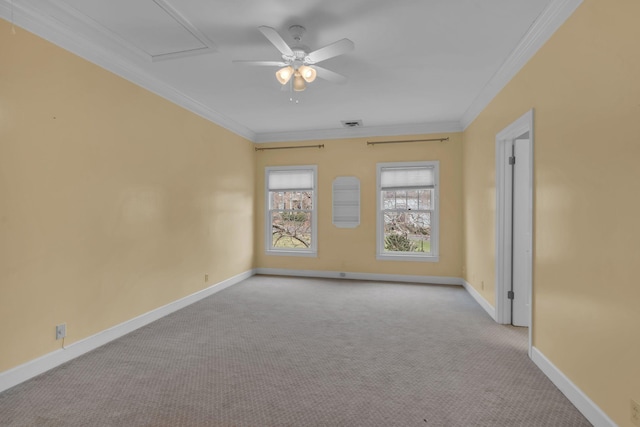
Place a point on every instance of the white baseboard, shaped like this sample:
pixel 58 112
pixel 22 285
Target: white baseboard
pixel 480 299
pixel 434 280
pixel 581 401
pixel 35 367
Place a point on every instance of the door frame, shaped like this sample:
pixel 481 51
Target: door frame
pixel 504 202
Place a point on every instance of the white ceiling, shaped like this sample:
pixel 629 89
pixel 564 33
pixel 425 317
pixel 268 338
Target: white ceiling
pixel 417 64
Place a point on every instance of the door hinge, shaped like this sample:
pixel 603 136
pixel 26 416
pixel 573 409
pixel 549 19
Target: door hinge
pixel 512 160
pixel 510 294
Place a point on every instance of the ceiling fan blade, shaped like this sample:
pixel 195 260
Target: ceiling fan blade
pixel 261 63
pixel 334 49
pixel 329 75
pixel 275 38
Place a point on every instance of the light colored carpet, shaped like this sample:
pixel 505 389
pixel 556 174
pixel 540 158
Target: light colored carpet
pixel 274 351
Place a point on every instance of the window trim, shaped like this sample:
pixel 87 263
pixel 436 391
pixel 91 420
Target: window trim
pixel 311 252
pixel 435 218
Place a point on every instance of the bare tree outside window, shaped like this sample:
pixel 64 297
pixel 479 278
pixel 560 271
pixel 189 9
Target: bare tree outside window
pixel 407 220
pixel 291 219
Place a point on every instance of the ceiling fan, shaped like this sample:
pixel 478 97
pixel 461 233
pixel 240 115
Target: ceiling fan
pixel 300 64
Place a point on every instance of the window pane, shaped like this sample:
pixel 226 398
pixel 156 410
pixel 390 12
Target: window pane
pixel 412 200
pixel 291 230
pixel 425 199
pixel 306 200
pixel 407 231
pixel 291 200
pixel 294 200
pixel 388 200
pixel 407 199
pixel 401 199
pixel 276 200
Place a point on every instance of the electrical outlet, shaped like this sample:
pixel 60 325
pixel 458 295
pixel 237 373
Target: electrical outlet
pixel 206 278
pixel 482 285
pixel 635 412
pixel 61 331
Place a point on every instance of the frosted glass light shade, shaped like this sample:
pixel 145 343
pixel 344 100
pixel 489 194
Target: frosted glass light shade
pixel 298 82
pixel 307 73
pixel 284 74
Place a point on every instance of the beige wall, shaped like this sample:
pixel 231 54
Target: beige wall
pixel 113 201
pixel 585 87
pixel 354 250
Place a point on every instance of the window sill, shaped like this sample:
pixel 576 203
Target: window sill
pixel 422 258
pixel 292 253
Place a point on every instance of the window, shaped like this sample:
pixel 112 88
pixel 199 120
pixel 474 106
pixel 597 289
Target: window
pixel 291 220
pixel 407 227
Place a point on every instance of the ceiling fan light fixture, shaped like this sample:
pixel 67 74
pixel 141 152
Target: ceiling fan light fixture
pixel 307 73
pixel 297 66
pixel 298 82
pixel 284 74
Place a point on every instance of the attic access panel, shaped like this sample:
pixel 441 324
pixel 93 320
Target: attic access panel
pixel 153 29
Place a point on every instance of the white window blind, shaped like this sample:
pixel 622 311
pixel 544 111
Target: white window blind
pixel 290 180
pixel 406 177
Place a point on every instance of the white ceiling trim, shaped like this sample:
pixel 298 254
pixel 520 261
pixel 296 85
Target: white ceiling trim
pixel 51 29
pixel 551 18
pixel 360 132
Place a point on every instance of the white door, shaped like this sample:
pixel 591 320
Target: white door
pixel 521 234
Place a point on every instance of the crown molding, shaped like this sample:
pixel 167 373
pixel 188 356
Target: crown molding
pixel 346 133
pixel 551 18
pixel 44 23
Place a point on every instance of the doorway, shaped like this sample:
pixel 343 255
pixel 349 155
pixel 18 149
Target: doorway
pixel 514 223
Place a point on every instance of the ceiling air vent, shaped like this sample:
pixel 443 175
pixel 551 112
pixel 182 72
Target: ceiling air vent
pixel 352 123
